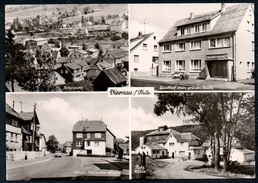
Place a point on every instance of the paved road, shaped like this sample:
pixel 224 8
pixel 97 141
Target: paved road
pixel 56 167
pixel 176 170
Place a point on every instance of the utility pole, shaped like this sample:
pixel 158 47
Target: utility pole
pixel 34 128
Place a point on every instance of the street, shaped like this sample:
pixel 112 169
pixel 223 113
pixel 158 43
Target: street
pixel 68 168
pixel 55 167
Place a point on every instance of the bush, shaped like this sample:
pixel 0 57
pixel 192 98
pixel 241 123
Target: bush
pixel 115 38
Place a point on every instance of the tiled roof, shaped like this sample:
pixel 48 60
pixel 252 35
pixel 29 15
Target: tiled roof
pixel 89 126
pixel 104 65
pixel 115 75
pixel 140 39
pixel 117 53
pixel 27 116
pixel 12 112
pixel 228 22
pixel 188 136
pixel 63 60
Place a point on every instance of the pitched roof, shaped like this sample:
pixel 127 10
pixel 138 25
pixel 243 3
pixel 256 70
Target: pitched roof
pixel 229 21
pixel 155 147
pixel 63 60
pixel 141 39
pixel 27 116
pixel 115 75
pixel 117 53
pixel 11 111
pixel 68 144
pixel 188 136
pixel 89 126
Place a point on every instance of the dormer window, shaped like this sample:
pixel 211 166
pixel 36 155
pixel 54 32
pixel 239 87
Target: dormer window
pixel 204 27
pixel 197 28
pixel 188 30
pixel 182 30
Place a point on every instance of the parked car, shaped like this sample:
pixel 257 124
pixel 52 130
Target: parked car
pixel 58 154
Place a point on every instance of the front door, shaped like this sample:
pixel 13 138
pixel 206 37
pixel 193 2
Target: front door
pixel 89 152
pixel 217 68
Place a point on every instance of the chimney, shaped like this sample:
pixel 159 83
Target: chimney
pixel 139 34
pixel 192 15
pixel 161 128
pixel 222 10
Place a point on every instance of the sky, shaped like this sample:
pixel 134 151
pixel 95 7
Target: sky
pixel 161 17
pixel 58 113
pixel 143 117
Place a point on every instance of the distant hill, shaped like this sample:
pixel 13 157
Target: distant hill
pixel 197 130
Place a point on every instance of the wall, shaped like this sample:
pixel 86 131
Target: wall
pixel 244 51
pixel 16 144
pixel 20 155
pixel 98 150
pixel 145 56
pixel 144 149
pixel 109 140
pixel 189 55
pixel 176 147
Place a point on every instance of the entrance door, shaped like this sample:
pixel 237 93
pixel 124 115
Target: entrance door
pixel 89 152
pixel 217 68
pixel 173 155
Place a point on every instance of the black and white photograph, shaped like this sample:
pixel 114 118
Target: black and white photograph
pixel 195 46
pixel 66 47
pixel 193 136
pixel 66 137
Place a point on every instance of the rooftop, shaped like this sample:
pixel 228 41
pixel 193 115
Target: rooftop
pixel 89 126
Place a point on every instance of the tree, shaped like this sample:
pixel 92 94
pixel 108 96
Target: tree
pixel 15 58
pixel 219 113
pixel 64 52
pixel 52 143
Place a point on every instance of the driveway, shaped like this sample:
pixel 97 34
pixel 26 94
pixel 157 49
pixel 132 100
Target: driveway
pixel 176 170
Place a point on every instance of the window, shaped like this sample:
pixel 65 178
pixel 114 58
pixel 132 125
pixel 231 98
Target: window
pixel 16 138
pixel 136 58
pixel 143 147
pixel 248 67
pixel 197 28
pixel 166 66
pixel 135 69
pixel 204 27
pixel 97 135
pixel 78 135
pixel 220 42
pixel 78 143
pixel 144 46
pixel 96 144
pixel 188 30
pixel 180 46
pixel 252 45
pixel 181 152
pixel 61 71
pixel 182 30
pixel 155 48
pixel 195 45
pixel 66 71
pixel 14 123
pixel 155 59
pixel 195 66
pixel 88 135
pixel 171 143
pixel 149 138
pixel 154 37
pixel 180 65
pixel 167 48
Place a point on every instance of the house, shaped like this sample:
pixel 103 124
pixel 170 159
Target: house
pixel 217 45
pixel 124 145
pixel 56 78
pixel 144 54
pixel 177 144
pixel 92 138
pixel 30 131
pixel 242 155
pixel 109 78
pixel 13 129
pixel 115 57
pixel 118 26
pixel 78 54
pixel 68 147
pixel 73 71
pixel 36 42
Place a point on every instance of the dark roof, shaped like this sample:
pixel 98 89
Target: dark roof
pixel 11 111
pixel 62 60
pixel 25 131
pixel 115 75
pixel 89 126
pixel 120 141
pixel 117 53
pixel 228 22
pixel 141 38
pixel 27 116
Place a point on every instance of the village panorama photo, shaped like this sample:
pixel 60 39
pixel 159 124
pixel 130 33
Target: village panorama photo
pixel 66 47
pixel 193 136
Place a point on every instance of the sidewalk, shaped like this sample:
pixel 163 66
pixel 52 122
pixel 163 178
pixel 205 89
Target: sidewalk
pixel 22 163
pixel 168 83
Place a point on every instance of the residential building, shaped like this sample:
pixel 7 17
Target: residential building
pixel 166 142
pixel 115 57
pixel 144 54
pixel 30 131
pixel 216 45
pixel 242 155
pixel 13 129
pixel 68 147
pixel 92 138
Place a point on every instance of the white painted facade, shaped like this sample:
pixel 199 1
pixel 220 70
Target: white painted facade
pixel 141 57
pixel 178 148
pixel 242 155
pixel 13 137
pixel 97 147
pixel 110 140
